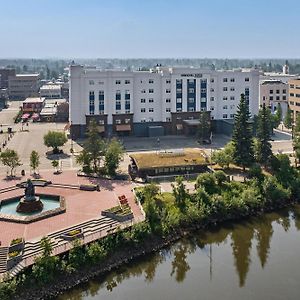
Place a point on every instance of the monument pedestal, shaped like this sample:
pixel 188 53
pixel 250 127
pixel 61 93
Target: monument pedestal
pixel 30 204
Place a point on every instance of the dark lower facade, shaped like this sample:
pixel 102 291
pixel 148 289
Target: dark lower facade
pixel 183 123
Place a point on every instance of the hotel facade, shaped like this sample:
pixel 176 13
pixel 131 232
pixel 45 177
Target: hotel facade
pixel 160 101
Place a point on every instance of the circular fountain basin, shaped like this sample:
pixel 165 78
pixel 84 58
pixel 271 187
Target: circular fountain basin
pixel 51 205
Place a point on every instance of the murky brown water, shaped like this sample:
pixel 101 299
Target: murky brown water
pixel 258 259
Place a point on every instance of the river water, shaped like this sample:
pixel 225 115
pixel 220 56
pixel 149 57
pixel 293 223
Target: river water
pixel 256 259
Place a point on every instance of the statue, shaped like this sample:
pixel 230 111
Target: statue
pixel 29 190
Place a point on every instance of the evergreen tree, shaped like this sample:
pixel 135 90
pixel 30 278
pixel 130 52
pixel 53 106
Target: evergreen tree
pixel 297 125
pixel 288 120
pixel 279 112
pixel 264 149
pixel 242 136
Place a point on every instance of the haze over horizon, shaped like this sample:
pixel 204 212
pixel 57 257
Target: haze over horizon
pixel 149 29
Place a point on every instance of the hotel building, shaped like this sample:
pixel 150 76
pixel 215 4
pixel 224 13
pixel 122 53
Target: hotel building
pixel 162 100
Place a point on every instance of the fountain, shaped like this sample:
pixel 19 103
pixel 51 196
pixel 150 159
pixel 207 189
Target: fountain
pixel 30 202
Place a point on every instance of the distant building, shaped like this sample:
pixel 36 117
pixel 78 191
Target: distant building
pixel 294 96
pixel 33 105
pixel 4 74
pixel 50 91
pixel 21 86
pixel 273 93
pixel 135 102
pixel 54 110
pixel 3 98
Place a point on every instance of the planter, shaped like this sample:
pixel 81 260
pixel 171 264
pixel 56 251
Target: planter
pixel 17 247
pixel 71 237
pixel 13 261
pixel 117 216
pixel 89 187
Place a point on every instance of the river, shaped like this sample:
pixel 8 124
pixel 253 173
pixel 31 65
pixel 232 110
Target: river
pixel 256 259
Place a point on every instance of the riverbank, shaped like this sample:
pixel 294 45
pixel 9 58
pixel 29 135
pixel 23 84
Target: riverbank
pixel 128 254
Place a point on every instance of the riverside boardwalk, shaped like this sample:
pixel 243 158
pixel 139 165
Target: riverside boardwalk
pixel 83 211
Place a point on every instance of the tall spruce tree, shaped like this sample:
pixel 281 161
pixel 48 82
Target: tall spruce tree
pixel 264 148
pixel 288 120
pixel 242 136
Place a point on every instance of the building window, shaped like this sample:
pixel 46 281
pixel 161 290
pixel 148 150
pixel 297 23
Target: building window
pixel 168 119
pixel 151 81
pixel 225 98
pixel 127 95
pixel 101 95
pixel 231 79
pixel 168 109
pixel 231 116
pixel 101 122
pixel 168 100
pixel 277 98
pixel 232 98
pixel 118 81
pixel 191 90
pixel 178 109
pixel 151 91
pixel 283 97
pixel 225 88
pixel 143 91
pixel 127 104
pixel 143 110
pixel 212 108
pixel 91 82
pixel 118 105
pixel 127 121
pixel 225 107
pixel 284 91
pixel 127 81
pixel 143 100
pixel 168 81
pixel 151 100
pixel 224 79
pixel 212 89
pixel 100 82
pixel 92 106
pixel 224 116
pixel 277 91
pixel 191 100
pixel 271 98
pixel 247 79
pixel 178 100
pixel 232 106
pixel 101 105
pixel 168 91
pixel 92 95
pixel 118 121
pixel 212 98
pixel 271 91
pixel 232 89
pixel 212 80
pixel 118 95
pixel 191 109
pixel 151 110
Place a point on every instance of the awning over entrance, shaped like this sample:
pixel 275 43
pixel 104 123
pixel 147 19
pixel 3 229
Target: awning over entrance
pixel 25 116
pixel 123 127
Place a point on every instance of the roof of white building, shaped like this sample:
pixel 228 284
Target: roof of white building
pixel 34 100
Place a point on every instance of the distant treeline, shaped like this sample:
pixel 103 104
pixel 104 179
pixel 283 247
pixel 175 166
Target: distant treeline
pixel 52 68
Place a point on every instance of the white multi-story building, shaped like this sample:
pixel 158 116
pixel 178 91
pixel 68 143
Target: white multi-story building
pixel 136 102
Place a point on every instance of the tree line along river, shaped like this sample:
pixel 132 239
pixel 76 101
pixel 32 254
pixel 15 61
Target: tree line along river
pixel 255 259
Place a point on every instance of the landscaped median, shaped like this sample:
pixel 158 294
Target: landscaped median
pixel 121 213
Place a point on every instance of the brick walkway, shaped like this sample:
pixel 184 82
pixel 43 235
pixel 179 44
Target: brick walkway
pixel 80 205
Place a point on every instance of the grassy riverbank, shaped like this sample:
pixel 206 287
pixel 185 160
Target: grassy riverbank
pixel 169 216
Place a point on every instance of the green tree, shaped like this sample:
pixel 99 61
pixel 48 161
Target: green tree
pixel 179 192
pixel 94 146
pixel 55 139
pixel 34 160
pixel 10 159
pixel 55 165
pixel 288 119
pixel 221 177
pixel 207 181
pixel 113 156
pixel 204 128
pixel 201 197
pixel 279 113
pixel 297 125
pixel 242 136
pixel 296 146
pixel 224 157
pixel 84 159
pixel 264 148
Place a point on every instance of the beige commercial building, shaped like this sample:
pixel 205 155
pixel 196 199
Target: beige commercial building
pixel 21 86
pixel 294 96
pixel 273 93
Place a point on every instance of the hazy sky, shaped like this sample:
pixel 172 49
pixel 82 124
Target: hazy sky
pixel 150 28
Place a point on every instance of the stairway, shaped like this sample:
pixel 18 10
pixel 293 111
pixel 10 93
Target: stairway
pixel 3 259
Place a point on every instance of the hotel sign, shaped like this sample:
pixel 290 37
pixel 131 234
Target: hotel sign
pixel 196 75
